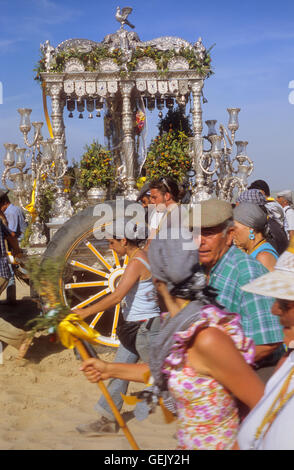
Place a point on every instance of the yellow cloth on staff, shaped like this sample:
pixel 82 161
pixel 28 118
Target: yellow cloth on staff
pixel 31 206
pixel 73 326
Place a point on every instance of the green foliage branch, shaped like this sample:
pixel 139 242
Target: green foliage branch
pixel 45 277
pixel 168 152
pixel 96 166
pixel 168 156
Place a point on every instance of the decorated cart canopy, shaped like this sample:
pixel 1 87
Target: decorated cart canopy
pixel 124 76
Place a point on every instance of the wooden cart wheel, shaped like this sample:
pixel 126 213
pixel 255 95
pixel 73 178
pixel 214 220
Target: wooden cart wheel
pixel 91 270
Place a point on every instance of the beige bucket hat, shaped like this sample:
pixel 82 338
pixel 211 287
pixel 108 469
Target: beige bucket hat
pixel 278 283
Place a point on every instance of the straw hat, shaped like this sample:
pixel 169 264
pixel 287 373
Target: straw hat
pixel 278 283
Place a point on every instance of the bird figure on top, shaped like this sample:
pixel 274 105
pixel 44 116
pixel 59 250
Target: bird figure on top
pixel 122 15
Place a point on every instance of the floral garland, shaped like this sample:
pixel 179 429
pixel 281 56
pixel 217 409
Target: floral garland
pixel 139 122
pixel 92 59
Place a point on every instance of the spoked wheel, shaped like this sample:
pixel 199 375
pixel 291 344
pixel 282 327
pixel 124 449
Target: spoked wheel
pixel 91 270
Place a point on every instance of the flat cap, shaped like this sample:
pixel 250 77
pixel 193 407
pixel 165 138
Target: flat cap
pixel 215 212
pixel 287 194
pixel 3 192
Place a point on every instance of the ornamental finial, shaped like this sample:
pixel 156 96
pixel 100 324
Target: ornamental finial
pixel 121 16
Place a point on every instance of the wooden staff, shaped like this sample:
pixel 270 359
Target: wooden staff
pixel 85 355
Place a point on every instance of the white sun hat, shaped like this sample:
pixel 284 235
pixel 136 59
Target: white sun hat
pixel 278 283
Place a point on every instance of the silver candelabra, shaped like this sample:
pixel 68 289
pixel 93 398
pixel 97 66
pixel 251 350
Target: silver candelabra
pixel 217 171
pixel 31 170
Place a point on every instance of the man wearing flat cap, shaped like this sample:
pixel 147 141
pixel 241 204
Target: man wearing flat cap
pixel 228 269
pixel 285 199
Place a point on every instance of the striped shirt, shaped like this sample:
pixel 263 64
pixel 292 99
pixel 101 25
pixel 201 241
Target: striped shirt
pixel 4 266
pixel 232 271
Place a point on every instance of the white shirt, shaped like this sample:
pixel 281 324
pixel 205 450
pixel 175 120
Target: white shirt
pixel 281 433
pixel 155 219
pixel 289 218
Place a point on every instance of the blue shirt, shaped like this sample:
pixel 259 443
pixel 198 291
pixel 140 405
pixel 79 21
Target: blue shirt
pixel 231 272
pixel 141 303
pixel 265 247
pixel 15 219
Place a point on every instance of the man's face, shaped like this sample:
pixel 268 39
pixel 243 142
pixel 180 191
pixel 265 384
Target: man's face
pixel 156 197
pixel 284 309
pixel 214 244
pixel 282 201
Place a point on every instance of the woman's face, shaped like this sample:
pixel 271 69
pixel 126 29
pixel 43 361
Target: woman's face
pixel 119 246
pixel 241 235
pixel 145 201
pixel 284 309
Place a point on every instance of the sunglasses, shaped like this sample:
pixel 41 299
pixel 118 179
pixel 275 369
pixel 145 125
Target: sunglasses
pixel 164 182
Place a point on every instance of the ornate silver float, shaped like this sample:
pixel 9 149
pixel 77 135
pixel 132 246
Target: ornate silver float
pixel 117 77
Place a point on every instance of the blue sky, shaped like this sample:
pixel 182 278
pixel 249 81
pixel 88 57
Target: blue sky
pixel 253 63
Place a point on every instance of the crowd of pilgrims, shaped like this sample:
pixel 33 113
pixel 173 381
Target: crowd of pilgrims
pixel 208 319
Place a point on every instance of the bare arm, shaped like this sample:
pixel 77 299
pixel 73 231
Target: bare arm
pixel 214 352
pixel 13 242
pixel 95 370
pixel 129 278
pixel 267 259
pixel 264 350
pixel 168 301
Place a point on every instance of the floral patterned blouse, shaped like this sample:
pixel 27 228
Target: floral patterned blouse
pixel 207 412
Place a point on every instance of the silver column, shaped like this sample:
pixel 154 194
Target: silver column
pixel 128 144
pixel 200 191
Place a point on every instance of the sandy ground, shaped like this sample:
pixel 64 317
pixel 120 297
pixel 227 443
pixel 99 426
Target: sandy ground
pixel 43 398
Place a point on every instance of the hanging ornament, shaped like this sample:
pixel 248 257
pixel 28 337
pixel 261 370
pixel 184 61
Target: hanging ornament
pixel 151 104
pixel 70 105
pixel 169 102
pixel 160 103
pixel 204 100
pixel 90 108
pixel 98 114
pixel 99 103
